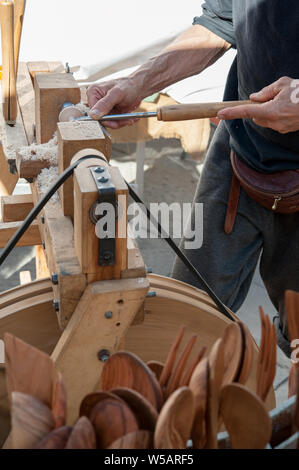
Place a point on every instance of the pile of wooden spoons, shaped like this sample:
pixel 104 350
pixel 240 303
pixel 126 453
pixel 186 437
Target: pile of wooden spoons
pixel 184 402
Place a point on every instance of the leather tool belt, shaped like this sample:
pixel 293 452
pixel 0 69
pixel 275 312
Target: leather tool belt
pixel 278 191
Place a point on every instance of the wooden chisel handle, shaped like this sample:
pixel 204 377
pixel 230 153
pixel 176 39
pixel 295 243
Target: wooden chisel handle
pixel 185 112
pixel 19 8
pixel 9 97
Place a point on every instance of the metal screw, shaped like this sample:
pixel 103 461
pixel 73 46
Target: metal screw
pixel 54 279
pixel 42 218
pixel 103 179
pixel 103 355
pixel 107 255
pixel 151 294
pixel 108 315
pixel 56 305
pixel 99 169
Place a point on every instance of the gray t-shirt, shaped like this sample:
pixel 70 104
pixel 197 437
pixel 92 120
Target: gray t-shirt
pixel 266 36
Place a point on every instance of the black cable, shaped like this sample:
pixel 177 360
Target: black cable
pixel 39 206
pixel 222 308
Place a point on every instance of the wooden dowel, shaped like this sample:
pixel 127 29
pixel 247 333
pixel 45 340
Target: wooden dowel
pixel 19 8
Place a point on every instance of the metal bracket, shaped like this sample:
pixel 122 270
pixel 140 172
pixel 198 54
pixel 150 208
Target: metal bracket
pixel 106 194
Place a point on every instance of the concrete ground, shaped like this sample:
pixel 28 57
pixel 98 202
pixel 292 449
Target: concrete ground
pixel 170 175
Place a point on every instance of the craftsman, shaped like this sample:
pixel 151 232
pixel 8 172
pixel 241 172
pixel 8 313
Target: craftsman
pixel 263 136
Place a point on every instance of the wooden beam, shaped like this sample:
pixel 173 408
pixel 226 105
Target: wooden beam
pixel 52 90
pixel 44 67
pixel 30 238
pixel 25 277
pixel 15 208
pixel 58 235
pixel 30 169
pixel 26 101
pixel 90 331
pixel 73 137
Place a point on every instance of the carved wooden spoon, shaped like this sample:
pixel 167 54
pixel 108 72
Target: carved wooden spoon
pixel 134 440
pixel 199 385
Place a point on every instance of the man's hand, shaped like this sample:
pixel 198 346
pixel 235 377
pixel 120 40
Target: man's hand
pixel 113 97
pixel 279 108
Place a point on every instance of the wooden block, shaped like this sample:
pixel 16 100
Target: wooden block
pixel 86 240
pixel 135 263
pixel 52 90
pixel 30 169
pixel 73 137
pixel 89 331
pixel 57 233
pixel 37 66
pixel 41 265
pixel 25 277
pixel 30 238
pixel 15 208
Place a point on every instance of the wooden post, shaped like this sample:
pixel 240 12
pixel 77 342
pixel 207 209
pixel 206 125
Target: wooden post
pixel 51 92
pixel 73 137
pixel 87 243
pixel 90 330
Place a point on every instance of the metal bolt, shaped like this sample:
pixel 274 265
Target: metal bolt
pixel 108 315
pixel 56 305
pixel 151 294
pixel 103 355
pixel 54 278
pixel 149 270
pixel 99 169
pixel 103 179
pixel 42 218
pixel 107 255
pixel 44 245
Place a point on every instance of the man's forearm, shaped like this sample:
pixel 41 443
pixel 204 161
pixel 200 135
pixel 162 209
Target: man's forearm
pixel 189 54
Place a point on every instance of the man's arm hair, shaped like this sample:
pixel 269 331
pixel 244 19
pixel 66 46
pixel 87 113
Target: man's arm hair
pixel 190 53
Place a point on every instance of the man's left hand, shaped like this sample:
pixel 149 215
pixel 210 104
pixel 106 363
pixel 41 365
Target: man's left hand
pixel 278 108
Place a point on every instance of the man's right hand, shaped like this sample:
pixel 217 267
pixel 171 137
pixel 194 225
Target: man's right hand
pixel 113 97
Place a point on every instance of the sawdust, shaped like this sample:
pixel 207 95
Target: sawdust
pixel 45 180
pixel 82 108
pixel 48 151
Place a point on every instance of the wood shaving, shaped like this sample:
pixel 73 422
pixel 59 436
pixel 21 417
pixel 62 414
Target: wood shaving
pixel 45 180
pixel 82 107
pixel 48 151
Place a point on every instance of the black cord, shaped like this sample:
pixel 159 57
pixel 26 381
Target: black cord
pixel 222 308
pixel 39 206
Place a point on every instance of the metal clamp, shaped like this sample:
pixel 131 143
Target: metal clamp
pixel 106 194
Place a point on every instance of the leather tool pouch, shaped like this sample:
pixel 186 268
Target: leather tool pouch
pixel 278 192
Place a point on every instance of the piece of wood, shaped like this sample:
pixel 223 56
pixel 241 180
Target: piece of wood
pixel 9 97
pixel 85 231
pixel 58 234
pixel 51 92
pixel 26 99
pixel 134 440
pixel 245 418
pixel 199 384
pixel 19 9
pixel 16 207
pixel 56 439
pixel 30 238
pixel 41 265
pixel 90 326
pixel 37 67
pixel 73 137
pixel 124 369
pixel 59 400
pixel 175 420
pixel 25 277
pixel 28 370
pixel 135 263
pixel 82 436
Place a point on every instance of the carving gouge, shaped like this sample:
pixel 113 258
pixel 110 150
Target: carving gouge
pixel 175 112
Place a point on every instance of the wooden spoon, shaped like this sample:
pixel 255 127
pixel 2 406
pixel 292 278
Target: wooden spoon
pixel 247 355
pixel 111 420
pixel 59 402
pixel 56 439
pixel 245 418
pixel 31 421
pixel 199 385
pixel 82 436
pixel 124 369
pixel 144 412
pixel 232 352
pixel 91 400
pixel 156 367
pixel 267 357
pixel 171 358
pixel 134 440
pixel 175 420
pixel 189 372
